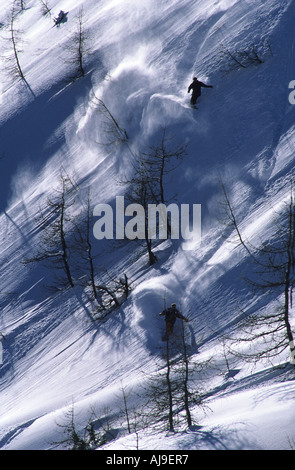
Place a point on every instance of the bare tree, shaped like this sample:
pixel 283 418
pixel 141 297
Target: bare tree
pixel 83 246
pixel 160 161
pixel 126 408
pixel 146 187
pixel 97 431
pixel 273 273
pixel 113 132
pixel 12 56
pixel 189 375
pixel 251 54
pixel 108 291
pixel 133 415
pixel 160 393
pixel 73 439
pixel 20 4
pixel 45 8
pixel 56 229
pixel 176 386
pixel 185 378
pixel 140 195
pixel 78 49
pixel 111 293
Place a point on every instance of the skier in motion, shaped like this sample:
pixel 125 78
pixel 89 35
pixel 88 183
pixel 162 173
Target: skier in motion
pixel 62 17
pixel 171 314
pixel 196 86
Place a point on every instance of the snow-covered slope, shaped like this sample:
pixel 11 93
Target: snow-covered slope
pixel 142 57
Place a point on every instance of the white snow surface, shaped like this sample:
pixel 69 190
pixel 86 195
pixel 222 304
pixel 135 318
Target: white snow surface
pixel 143 57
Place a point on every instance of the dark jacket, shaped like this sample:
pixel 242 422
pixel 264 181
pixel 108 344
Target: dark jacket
pixel 196 86
pixel 171 314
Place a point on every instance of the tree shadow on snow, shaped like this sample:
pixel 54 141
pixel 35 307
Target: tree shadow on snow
pixel 220 437
pixel 31 136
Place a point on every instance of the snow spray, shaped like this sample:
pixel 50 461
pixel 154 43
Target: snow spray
pixel 292 94
pixel 1 348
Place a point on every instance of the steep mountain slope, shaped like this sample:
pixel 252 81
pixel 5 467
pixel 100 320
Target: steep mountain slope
pixel 141 59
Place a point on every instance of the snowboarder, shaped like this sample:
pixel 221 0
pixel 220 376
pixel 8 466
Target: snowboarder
pixel 171 314
pixel 61 16
pixel 196 86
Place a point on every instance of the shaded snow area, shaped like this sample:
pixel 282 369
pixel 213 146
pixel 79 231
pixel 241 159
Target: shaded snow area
pixel 69 365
